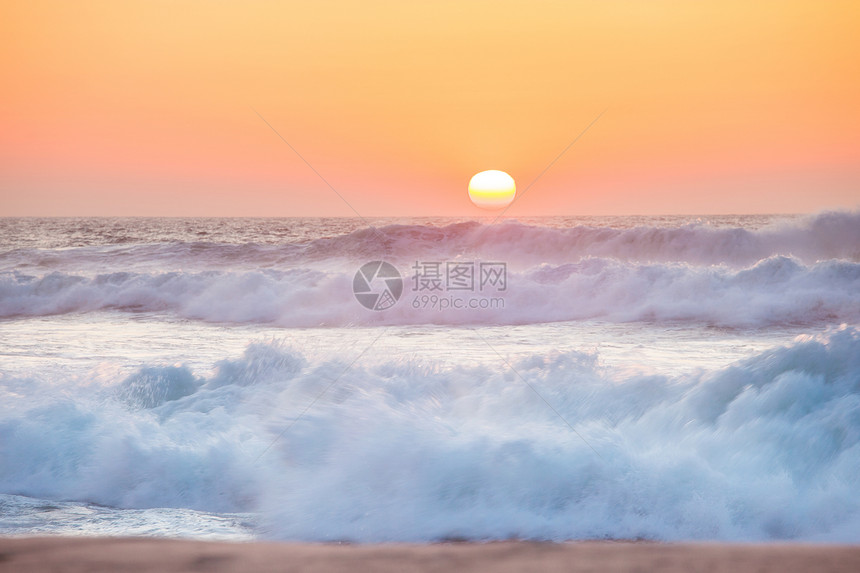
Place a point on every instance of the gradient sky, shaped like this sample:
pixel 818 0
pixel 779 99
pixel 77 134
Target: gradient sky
pixel 147 107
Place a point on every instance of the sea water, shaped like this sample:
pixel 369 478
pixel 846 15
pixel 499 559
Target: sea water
pixel 554 378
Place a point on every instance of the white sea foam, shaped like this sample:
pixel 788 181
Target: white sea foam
pixel 439 443
pixel 777 290
pixel 767 448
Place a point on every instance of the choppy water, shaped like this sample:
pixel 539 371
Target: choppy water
pixel 657 377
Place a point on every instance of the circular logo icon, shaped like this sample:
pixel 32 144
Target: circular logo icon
pixel 377 285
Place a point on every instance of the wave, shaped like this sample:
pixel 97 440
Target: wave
pixel 767 448
pixel 20 515
pixel 777 290
pixel 831 235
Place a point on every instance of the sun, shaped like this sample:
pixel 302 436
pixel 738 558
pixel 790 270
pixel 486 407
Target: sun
pixel 492 189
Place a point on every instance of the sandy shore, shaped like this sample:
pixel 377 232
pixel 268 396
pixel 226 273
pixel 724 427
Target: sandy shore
pixel 80 554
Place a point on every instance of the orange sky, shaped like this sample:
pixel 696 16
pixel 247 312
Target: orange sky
pixel 146 107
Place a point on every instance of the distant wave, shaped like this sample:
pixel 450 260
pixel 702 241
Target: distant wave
pixel 833 235
pixel 777 290
pixel 765 449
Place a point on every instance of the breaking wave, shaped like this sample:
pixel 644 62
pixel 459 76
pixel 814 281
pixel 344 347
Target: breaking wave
pixel 777 290
pixel 832 235
pixel 767 448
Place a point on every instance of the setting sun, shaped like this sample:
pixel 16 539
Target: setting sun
pixel 492 189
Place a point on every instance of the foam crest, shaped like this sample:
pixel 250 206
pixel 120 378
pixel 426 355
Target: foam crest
pixel 764 449
pixel 778 290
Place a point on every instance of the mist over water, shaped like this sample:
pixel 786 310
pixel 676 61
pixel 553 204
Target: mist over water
pixel 213 378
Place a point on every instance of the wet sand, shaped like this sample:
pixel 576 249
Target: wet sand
pixel 85 554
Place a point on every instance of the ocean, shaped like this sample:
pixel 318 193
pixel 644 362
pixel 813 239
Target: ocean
pixel 425 379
